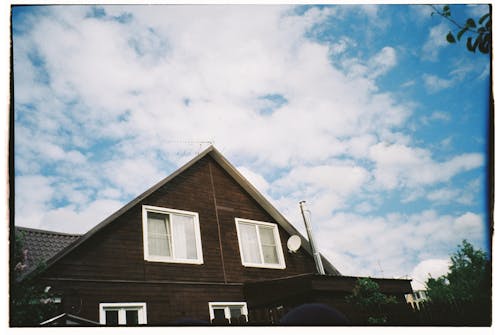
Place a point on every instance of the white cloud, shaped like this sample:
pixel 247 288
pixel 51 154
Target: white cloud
pixel 69 219
pixel 382 62
pixel 408 83
pixel 33 195
pixel 133 175
pixel 421 13
pixel 342 45
pixel 377 65
pixel 429 268
pixel 446 142
pixel 436 116
pixel 216 74
pixel 464 195
pixel 110 193
pixel 435 41
pixel 400 165
pixel 380 245
pixel 365 207
pixel 471 224
pixel 359 146
pixel 477 10
pixel 255 179
pixel 442 195
pixel 342 178
pixel 435 84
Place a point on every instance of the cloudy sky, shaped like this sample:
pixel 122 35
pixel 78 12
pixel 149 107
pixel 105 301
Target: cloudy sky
pixel 365 112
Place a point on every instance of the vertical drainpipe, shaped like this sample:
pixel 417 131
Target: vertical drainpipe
pixel 316 255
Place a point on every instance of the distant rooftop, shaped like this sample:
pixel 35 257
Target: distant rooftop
pixel 43 244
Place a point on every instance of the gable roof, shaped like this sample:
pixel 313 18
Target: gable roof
pixel 66 319
pixel 235 174
pixel 42 245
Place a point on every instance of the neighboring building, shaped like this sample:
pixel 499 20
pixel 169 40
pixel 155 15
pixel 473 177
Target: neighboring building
pixel 416 299
pixel 202 244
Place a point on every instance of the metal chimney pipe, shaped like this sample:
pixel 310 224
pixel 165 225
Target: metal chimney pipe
pixel 316 255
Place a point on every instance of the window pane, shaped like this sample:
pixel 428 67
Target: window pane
pixel 270 255
pixel 184 237
pixel 266 235
pixel 112 318
pixel 159 235
pixel 250 247
pixel 268 245
pixel 132 317
pixel 235 311
pixel 219 313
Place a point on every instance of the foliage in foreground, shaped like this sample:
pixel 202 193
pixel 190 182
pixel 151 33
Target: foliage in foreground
pixel 468 279
pixel 465 289
pixel 478 32
pixel 30 303
pixel 366 295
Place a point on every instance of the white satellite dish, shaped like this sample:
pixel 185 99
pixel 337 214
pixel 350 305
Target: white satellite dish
pixel 293 243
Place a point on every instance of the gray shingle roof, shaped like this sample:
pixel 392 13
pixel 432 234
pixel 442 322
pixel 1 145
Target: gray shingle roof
pixel 43 244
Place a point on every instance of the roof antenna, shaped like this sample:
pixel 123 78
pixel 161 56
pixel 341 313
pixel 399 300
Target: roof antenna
pixel 382 271
pixel 209 142
pixel 316 255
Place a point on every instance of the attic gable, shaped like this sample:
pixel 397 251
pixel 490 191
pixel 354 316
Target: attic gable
pixel 233 173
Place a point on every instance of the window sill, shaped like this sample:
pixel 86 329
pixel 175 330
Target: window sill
pixel 174 261
pixel 265 266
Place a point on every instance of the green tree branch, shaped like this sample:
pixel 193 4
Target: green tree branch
pixel 478 34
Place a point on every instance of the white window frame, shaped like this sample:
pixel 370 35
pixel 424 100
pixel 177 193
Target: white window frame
pixel 281 258
pixel 227 312
pixel 172 259
pixel 122 307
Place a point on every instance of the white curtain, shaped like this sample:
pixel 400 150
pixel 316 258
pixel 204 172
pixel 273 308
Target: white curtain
pixel 184 236
pixel 249 243
pixel 158 235
pixel 268 245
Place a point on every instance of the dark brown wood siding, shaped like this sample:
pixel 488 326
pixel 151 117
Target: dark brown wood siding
pixel 116 251
pixel 234 202
pixel 165 303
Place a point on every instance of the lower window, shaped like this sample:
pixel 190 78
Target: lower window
pixel 228 312
pixel 122 313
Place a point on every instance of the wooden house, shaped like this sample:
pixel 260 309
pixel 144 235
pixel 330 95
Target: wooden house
pixel 203 244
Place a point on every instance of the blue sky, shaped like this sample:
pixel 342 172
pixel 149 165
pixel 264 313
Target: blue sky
pixel 365 112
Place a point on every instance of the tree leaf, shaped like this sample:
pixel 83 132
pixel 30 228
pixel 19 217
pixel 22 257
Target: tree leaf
pixel 484 45
pixel 470 23
pixel 470 46
pixel 450 38
pixel 484 17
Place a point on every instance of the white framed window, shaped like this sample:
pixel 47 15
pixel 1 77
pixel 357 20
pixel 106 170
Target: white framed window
pixel 171 235
pixel 225 311
pixel 122 313
pixel 260 244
